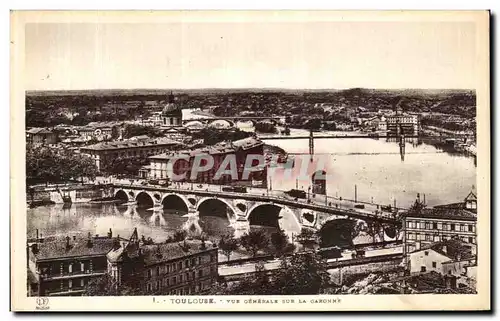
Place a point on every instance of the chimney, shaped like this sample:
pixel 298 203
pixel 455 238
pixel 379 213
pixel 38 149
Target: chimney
pixel 203 246
pixel 34 248
pixel 68 245
pixel 37 238
pixel 445 249
pixel 110 233
pixel 89 241
pixel 418 197
pixel 74 237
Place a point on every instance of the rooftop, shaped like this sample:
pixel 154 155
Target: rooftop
pixel 38 131
pixel 444 212
pixel 221 148
pixel 453 248
pixel 64 248
pixel 131 144
pixel 160 252
pixel 157 253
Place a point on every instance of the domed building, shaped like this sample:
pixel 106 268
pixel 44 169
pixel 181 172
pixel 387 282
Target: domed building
pixel 171 115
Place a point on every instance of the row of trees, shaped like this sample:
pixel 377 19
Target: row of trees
pixel 47 165
pixel 299 274
pixel 255 241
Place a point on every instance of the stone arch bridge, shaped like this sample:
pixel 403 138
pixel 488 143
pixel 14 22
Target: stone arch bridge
pixel 243 208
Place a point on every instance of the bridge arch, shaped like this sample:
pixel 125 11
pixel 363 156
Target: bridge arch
pixel 175 202
pixel 222 123
pixel 338 232
pixel 121 195
pixel 288 222
pixel 204 207
pixel 144 199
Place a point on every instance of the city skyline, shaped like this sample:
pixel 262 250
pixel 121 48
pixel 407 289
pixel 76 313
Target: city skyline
pixel 290 55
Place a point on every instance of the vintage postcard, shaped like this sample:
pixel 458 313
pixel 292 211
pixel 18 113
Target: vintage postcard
pixel 250 161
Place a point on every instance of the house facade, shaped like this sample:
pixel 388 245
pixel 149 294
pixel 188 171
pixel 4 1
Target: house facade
pixel 177 268
pixel 440 223
pixel 64 266
pixel 104 153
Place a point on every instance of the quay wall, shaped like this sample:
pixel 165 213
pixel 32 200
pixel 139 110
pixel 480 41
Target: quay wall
pixel 77 194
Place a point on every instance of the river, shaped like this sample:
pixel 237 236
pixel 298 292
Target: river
pixel 374 166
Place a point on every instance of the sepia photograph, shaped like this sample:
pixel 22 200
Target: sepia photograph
pixel 258 160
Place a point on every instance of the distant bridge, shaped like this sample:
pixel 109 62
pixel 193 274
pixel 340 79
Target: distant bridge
pixel 233 120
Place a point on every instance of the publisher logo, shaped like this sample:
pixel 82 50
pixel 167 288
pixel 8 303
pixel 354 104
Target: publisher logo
pixel 42 303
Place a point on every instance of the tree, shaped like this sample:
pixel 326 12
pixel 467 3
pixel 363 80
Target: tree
pixel 279 240
pixel 302 274
pixel 52 165
pixel 254 241
pixel 228 245
pixel 179 235
pixel 107 286
pixel 307 236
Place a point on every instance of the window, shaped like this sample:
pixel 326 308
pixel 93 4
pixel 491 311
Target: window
pixel 428 237
pixel 462 228
pixel 158 285
pixel 439 226
pixel 471 239
pixel 200 273
pixel 157 270
pixel 174 280
pixel 426 253
pixel 150 272
pixel 70 284
pixel 434 226
pixel 427 225
pixel 186 263
pixel 452 227
pixel 470 228
pixel 180 278
pixel 423 269
pixel 82 282
pixel 70 268
pixel 179 266
pixel 434 264
pixel 199 260
pixel 167 282
pixel 193 262
pixel 411 236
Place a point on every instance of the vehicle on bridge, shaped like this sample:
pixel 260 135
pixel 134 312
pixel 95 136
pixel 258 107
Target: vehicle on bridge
pixel 235 189
pixel 296 193
pixel 387 208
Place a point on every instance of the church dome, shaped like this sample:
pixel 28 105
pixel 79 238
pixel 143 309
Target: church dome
pixel 171 108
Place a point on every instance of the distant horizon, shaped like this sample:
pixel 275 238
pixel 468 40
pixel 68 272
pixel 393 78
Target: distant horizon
pixel 247 88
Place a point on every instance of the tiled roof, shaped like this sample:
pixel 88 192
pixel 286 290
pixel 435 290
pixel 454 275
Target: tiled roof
pixel 39 131
pixel 131 144
pixel 220 148
pixel 443 212
pixel 452 248
pixel 157 253
pixel 79 247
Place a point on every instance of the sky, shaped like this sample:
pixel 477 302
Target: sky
pixel 309 55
